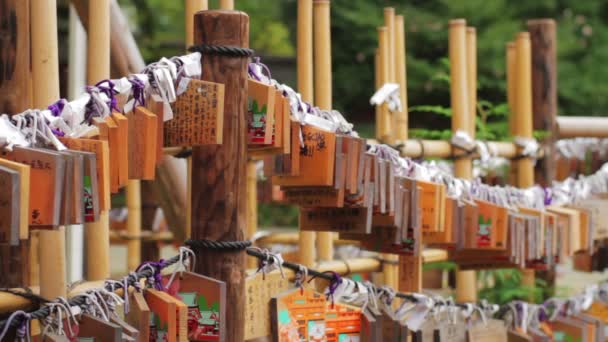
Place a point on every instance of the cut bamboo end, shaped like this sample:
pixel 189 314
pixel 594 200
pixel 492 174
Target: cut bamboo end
pixel 523 35
pixel 457 22
pixel 227 4
pixel 321 2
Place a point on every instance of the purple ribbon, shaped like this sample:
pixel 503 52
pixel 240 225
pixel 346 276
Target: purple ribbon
pixel 548 196
pixel 109 91
pixel 335 281
pixel 23 329
pixel 57 107
pixel 157 266
pixel 137 91
pixel 253 72
pixel 333 286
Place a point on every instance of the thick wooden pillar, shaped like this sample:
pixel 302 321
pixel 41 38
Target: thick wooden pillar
pixel 466 283
pixel 219 172
pixel 306 243
pixel 543 37
pixel 15 97
pixel 544 92
pixel 323 92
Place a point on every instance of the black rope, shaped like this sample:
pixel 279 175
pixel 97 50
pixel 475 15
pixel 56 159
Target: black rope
pixel 519 157
pixel 232 246
pixel 26 293
pixel 185 153
pixel 222 50
pixel 421 143
pixel 81 299
pixel 327 276
pixel 466 154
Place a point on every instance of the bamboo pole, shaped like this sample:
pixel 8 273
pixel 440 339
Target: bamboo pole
pixel 379 123
pixel 192 6
pixel 134 224
pixel 389 23
pixel 97 234
pixel 227 4
pixel 323 92
pixel 510 63
pixel 383 77
pixel 390 268
pixel 45 74
pixel 458 89
pixel 523 105
pixel 401 124
pixel 523 121
pixel 582 126
pixel 252 206
pixel 465 280
pixel 306 246
pixel 472 79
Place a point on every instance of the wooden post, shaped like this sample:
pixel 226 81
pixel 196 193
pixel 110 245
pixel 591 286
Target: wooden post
pixel 219 172
pixel 401 125
pixel 544 91
pixel 306 243
pixel 97 234
pixel 543 38
pixel 15 97
pixel 45 72
pixel 465 280
pixel 523 121
pixel 323 93
pixel 15 77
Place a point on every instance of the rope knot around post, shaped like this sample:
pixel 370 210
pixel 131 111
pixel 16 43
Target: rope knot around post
pixel 219 246
pixel 222 50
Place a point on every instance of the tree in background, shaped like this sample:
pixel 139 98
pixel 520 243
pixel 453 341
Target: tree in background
pixel 582 46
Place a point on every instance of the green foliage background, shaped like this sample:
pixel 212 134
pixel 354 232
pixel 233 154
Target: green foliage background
pixel 582 47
